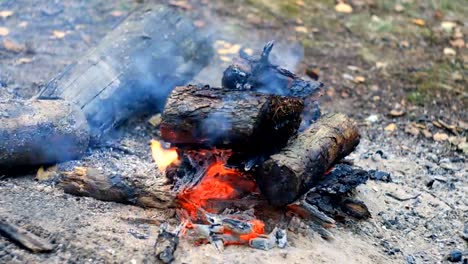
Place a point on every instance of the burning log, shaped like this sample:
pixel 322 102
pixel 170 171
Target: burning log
pixel 239 120
pixel 286 176
pixel 133 69
pixel 146 190
pixel 41 132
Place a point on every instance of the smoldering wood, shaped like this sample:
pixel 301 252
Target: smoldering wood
pixel 149 189
pixel 134 68
pixel 239 120
pixel 24 238
pixel 287 175
pixel 37 132
pixel 331 197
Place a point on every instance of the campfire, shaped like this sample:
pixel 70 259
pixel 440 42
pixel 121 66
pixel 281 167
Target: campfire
pixel 233 152
pixel 241 163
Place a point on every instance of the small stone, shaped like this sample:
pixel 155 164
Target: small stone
pixel 426 133
pixel 372 118
pixel 397 113
pixel 455 256
pixel 155 120
pixel 448 25
pixel 399 8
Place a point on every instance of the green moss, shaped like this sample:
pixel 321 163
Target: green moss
pixel 416 97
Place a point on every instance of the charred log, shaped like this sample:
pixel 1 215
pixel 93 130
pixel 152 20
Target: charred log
pixel 238 120
pixel 133 69
pixel 285 176
pixel 41 132
pixel 147 190
pixel 24 238
pixel 248 73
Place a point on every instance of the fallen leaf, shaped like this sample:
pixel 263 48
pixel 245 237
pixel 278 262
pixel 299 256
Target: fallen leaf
pixel 463 147
pixel 463 125
pixel 13 46
pixel 23 60
pixel 399 8
pixel 426 133
pixel 116 13
pixel 359 79
pixel 234 49
pixel 225 58
pixel 181 4
pixel 300 3
pixel 404 44
pixel 391 127
pixel 449 52
pixel 437 124
pixel 448 25
pixel 457 33
pixel 343 8
pixel 397 113
pixel 6 13
pixel 45 174
pixel 457 43
pixel 440 137
pixel 58 34
pixel 418 22
pixel 4 31
pixel 301 29
pixel 155 120
pixel 412 129
pixel 199 23
pixel 23 24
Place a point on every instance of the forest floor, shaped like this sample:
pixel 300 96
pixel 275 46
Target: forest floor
pixel 398 67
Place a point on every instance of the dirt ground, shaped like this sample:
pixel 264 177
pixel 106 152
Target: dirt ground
pixel 399 67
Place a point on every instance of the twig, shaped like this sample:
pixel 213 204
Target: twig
pixel 402 199
pixel 24 238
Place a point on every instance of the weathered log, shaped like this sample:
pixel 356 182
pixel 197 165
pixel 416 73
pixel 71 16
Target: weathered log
pixel 134 67
pixel 147 190
pixel 24 238
pixel 239 120
pixel 285 176
pixel 40 132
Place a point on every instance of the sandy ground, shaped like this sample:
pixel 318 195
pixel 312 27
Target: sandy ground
pixel 420 230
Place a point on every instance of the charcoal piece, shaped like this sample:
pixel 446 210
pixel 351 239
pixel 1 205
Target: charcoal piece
pixel 166 244
pixel 249 73
pixel 239 120
pixel 287 175
pixel 377 175
pixel 340 180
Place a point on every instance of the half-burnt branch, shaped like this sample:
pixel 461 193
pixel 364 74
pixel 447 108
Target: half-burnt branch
pixel 150 189
pixel 37 132
pixel 239 120
pixel 293 171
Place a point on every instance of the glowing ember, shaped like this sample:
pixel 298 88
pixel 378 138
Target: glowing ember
pixel 163 157
pixel 221 183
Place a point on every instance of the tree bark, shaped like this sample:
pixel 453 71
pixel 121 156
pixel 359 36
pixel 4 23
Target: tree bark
pixel 239 120
pixel 41 132
pixel 285 176
pixel 133 69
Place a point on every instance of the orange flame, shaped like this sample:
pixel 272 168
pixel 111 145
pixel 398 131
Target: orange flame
pixel 221 183
pixel 163 157
pixel 217 184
